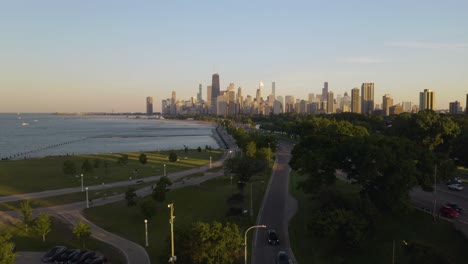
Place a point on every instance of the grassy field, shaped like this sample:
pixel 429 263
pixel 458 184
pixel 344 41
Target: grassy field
pixel 416 226
pixel 61 234
pixel 35 175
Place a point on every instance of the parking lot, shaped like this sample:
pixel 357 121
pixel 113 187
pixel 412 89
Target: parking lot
pixel 29 257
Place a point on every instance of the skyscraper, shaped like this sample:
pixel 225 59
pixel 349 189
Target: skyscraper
pixel 325 91
pixel 214 91
pixel 330 105
pixel 208 94
pixel 426 100
pixel 355 101
pixel 199 95
pixel 273 89
pixel 149 105
pixel 387 102
pixel 367 98
pixel 455 108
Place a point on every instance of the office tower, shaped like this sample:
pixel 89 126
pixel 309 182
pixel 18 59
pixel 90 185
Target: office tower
pixel 396 109
pixel 259 92
pixel 199 95
pixel 281 100
pixel 426 100
pixel 149 105
pixel 273 89
pixel 454 107
pixel 214 92
pixel 173 98
pixel 325 91
pixel 387 102
pixel 289 104
pixel 231 87
pixel 345 103
pixel 165 107
pixel 355 101
pixel 407 106
pixel 330 105
pixel 367 98
pixel 277 107
pixel 209 91
pixel 311 97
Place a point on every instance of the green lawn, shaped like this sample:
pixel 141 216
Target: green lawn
pixel 35 175
pixel 416 226
pixel 61 234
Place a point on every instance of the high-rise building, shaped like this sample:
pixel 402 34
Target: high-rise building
pixel 367 98
pixel 345 103
pixel 259 92
pixel 396 109
pixel 199 95
pixel 426 100
pixel 149 105
pixel 330 105
pixel 407 106
pixel 209 91
pixel 289 104
pixel 325 91
pixel 455 108
pixel 355 101
pixel 273 89
pixel 214 92
pixel 387 102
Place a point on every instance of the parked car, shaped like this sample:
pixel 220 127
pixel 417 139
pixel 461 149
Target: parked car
pixel 447 211
pixel 454 180
pixel 66 255
pixel 96 260
pixel 83 256
pixel 456 187
pixel 456 207
pixel 272 237
pixel 52 254
pixel 282 258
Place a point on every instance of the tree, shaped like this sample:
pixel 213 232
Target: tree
pixel 251 149
pixel 69 167
pixel 143 159
pixel 43 225
pixel 185 149
pixel 172 156
pixel 82 232
pixel 87 166
pixel 159 193
pixel 26 213
pixel 130 196
pixel 148 208
pixel 199 149
pixel 97 163
pixel 214 243
pixel 7 256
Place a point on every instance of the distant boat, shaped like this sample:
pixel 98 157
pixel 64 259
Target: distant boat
pixel 25 124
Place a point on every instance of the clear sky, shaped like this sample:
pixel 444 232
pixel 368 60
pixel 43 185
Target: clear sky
pixel 104 55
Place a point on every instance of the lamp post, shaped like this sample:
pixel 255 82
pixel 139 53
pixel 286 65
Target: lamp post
pixel 245 239
pixel 251 192
pixel 87 200
pixel 164 170
pixel 171 221
pixel 210 162
pixel 82 190
pixel 146 232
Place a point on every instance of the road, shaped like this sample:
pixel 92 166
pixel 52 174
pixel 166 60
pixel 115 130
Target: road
pixel 278 207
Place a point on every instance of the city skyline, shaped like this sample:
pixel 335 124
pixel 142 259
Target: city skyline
pixel 106 56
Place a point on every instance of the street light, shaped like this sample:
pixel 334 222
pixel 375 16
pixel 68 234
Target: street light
pixel 171 221
pixel 82 190
pixel 251 191
pixel 146 232
pixel 210 162
pixel 87 200
pixel 245 239
pixel 164 170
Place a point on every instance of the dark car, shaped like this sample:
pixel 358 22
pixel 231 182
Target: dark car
pixel 282 258
pixel 273 237
pixel 449 212
pixel 96 260
pixel 53 253
pixel 66 255
pixel 82 257
pixel 456 207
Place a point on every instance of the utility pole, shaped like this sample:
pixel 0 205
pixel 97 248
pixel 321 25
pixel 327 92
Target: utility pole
pixel 173 258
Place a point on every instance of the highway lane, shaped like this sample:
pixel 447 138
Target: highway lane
pixel 275 211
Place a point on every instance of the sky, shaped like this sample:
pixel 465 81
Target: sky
pixel 109 55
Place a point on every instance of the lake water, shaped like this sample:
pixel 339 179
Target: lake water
pixel 37 135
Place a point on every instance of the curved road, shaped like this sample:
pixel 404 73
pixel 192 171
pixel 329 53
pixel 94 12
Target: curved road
pixel 278 208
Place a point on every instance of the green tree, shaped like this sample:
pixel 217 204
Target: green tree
pixel 82 232
pixel 172 156
pixel 7 256
pixel 43 225
pixel 143 159
pixel 199 149
pixel 159 193
pixel 26 213
pixel 130 196
pixel 214 243
pixel 87 166
pixel 251 149
pixel 69 167
pixel 148 208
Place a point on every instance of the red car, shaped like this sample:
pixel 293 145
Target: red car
pixel 447 211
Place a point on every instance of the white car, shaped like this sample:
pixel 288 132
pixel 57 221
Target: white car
pixel 456 187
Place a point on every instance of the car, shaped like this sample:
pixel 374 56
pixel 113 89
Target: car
pixel 82 257
pixel 272 237
pixel 66 255
pixel 456 207
pixel 282 258
pixel 456 187
pixel 96 260
pixel 454 180
pixel 52 254
pixel 447 211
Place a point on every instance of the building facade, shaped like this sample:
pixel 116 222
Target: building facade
pixel 149 105
pixel 367 98
pixel 426 100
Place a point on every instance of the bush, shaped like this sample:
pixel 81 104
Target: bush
pixel 172 156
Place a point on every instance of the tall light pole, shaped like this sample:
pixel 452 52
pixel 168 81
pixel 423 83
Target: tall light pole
pixel 164 170
pixel 171 221
pixel 87 200
pixel 82 190
pixel 210 162
pixel 146 232
pixel 245 239
pixel 251 192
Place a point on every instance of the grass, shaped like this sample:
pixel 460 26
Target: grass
pixel 61 234
pixel 415 226
pixel 35 175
